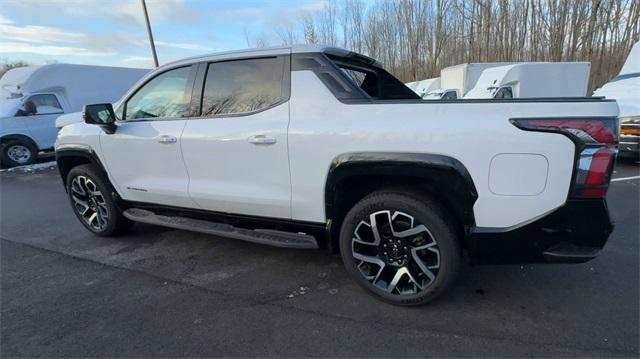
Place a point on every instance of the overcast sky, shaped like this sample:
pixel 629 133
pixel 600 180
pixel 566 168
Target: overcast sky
pixel 112 32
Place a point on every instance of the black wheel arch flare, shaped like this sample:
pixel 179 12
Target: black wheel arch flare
pixel 71 155
pixel 445 174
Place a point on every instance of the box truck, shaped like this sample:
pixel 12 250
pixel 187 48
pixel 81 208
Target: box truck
pixel 456 81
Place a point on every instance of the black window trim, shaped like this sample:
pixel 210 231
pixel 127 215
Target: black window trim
pixel 341 65
pixel 348 93
pixel 331 65
pixel 203 69
pixel 355 63
pixel 190 84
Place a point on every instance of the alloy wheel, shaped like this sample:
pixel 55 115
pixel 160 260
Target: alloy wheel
pixel 395 253
pixel 89 202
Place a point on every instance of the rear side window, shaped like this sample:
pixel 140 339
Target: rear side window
pixel 242 86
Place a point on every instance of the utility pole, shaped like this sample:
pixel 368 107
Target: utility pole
pixel 153 45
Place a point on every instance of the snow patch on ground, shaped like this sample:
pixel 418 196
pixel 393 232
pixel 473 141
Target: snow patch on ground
pixel 31 168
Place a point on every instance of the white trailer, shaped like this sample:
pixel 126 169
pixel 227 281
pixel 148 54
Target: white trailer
pixel 533 79
pixel 32 97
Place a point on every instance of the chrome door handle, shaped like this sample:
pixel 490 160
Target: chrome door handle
pixel 167 139
pixel 262 140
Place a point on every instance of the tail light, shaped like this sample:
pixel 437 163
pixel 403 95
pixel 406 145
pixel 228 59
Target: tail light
pixel 596 142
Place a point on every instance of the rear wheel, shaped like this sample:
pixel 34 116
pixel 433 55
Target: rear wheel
pixel 401 247
pixel 93 202
pixel 18 153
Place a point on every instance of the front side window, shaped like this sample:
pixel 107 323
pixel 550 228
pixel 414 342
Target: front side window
pixel 242 86
pixel 45 104
pixel 166 96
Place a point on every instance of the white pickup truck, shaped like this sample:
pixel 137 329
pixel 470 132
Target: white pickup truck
pixel 319 147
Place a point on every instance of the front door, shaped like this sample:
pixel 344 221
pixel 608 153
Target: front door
pixel 236 152
pixel 143 156
pixel 42 123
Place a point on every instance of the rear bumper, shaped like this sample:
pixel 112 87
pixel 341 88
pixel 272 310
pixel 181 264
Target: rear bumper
pixel 574 233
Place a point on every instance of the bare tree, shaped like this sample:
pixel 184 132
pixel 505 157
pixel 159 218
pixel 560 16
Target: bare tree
pixel 261 40
pixel 309 29
pixel 417 38
pixel 287 33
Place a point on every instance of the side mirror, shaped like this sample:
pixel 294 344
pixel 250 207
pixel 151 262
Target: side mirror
pixel 102 115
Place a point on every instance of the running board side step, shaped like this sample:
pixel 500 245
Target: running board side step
pixel 262 236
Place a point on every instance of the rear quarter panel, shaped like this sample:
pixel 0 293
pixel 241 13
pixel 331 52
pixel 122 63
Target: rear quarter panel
pixel 321 128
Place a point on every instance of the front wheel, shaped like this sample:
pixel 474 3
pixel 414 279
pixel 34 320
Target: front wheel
pixel 18 153
pixel 92 200
pixel 401 247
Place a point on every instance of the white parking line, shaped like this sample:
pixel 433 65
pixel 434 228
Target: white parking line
pixel 625 178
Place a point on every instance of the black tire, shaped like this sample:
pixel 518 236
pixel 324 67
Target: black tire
pixel 432 268
pixel 102 203
pixel 17 152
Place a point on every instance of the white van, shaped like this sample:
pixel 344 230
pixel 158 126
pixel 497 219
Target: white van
pixel 533 79
pixel 32 97
pixel 456 81
pixel 422 88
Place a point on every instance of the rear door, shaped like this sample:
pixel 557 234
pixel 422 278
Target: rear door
pixel 143 156
pixel 236 151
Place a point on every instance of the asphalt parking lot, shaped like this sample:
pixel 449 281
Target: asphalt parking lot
pixel 162 292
